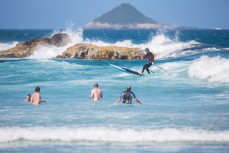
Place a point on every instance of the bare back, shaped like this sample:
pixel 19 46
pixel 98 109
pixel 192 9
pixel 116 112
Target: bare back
pixel 35 98
pixel 96 94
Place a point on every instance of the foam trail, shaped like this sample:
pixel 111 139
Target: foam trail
pixel 103 134
pixel 215 69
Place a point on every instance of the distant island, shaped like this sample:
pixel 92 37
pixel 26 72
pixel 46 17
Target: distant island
pixel 125 16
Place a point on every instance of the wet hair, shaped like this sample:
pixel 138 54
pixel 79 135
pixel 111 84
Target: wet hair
pixel 128 88
pixel 146 49
pixel 96 85
pixel 37 89
pixel 29 97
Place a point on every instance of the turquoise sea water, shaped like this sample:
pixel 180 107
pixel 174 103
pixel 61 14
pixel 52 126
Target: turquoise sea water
pixel 184 111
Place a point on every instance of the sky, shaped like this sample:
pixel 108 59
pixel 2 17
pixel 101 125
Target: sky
pixel 59 14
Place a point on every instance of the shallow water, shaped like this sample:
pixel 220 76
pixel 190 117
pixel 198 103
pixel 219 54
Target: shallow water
pixel 186 110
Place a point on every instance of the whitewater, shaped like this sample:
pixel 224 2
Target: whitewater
pixel 185 108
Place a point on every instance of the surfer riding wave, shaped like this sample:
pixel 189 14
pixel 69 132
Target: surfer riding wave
pixel 150 57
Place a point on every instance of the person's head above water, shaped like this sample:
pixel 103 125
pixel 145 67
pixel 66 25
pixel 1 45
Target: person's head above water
pixel 28 98
pixel 128 88
pixel 96 85
pixel 147 49
pixel 37 89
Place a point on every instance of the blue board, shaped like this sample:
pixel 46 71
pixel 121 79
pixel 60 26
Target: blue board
pixel 123 69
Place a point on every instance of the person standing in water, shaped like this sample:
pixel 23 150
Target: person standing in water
pixel 150 57
pixel 127 97
pixel 96 93
pixel 36 98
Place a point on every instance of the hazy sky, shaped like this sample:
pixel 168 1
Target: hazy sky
pixel 55 14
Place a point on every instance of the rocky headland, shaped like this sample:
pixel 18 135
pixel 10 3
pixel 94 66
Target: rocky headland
pixel 77 51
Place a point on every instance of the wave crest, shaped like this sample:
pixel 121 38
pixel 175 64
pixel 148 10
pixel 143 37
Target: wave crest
pixel 5 46
pixel 164 46
pixel 215 69
pixel 160 44
pixel 46 52
pixel 102 134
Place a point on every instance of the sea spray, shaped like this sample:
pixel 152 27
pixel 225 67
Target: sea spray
pixel 47 52
pixel 161 44
pixel 215 69
pixel 5 46
pixel 180 112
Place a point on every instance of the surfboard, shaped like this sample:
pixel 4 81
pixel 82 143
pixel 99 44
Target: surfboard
pixel 126 70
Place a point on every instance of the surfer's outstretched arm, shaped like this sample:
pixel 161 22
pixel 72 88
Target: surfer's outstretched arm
pixel 138 101
pixel 117 101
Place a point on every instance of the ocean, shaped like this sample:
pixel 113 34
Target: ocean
pixel 185 108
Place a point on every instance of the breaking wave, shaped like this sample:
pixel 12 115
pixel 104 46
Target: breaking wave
pixel 102 134
pixel 46 52
pixel 5 46
pixel 215 69
pixel 160 44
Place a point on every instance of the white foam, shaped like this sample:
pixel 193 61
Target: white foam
pixel 172 69
pixel 226 48
pixel 5 46
pixel 215 69
pixel 103 134
pixel 160 44
pixel 164 46
pixel 47 52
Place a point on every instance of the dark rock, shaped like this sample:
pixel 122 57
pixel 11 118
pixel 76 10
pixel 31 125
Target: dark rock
pixel 27 48
pixel 60 39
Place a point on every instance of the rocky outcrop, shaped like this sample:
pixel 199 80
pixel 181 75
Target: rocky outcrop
pixel 78 51
pixel 60 39
pixel 89 51
pixel 27 48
